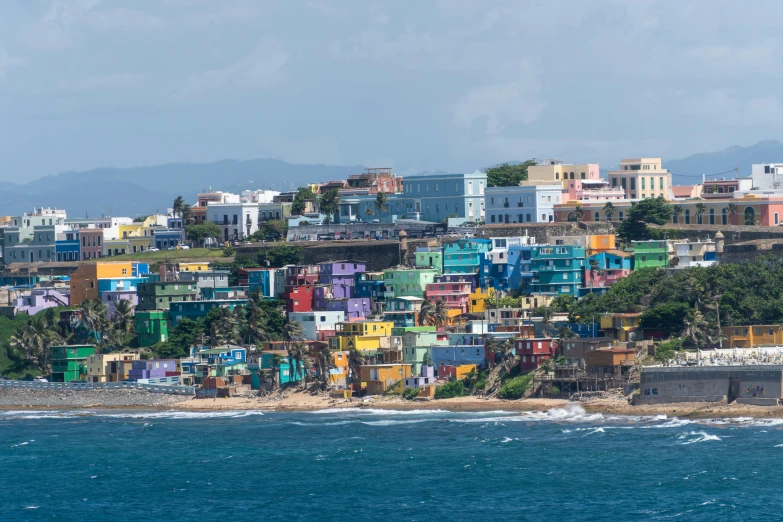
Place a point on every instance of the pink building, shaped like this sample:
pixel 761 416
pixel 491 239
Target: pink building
pixel 456 295
pixel 580 182
pixel 91 243
pixel 604 269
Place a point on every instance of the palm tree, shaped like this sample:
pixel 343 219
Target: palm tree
pixel 355 361
pixel 93 321
pixel 579 212
pixel 546 320
pixel 700 211
pixel 253 329
pixel 293 337
pixel 123 316
pixel 425 313
pixel 609 210
pixel 369 211
pixel 732 209
pixel 441 313
pixel 325 363
pixel 508 347
pixel 35 341
pixel 178 207
pixel 490 347
pixel 381 203
pixel 677 211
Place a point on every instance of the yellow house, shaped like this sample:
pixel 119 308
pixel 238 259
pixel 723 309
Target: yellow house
pixel 752 336
pixel 600 243
pixel 623 327
pixel 194 267
pixel 116 247
pixel 140 243
pixel 462 371
pixel 477 301
pixel 84 281
pixel 127 231
pixel 339 374
pixel 105 367
pixel 379 378
pixel 362 336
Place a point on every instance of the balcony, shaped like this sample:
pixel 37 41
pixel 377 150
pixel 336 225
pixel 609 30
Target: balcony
pixel 506 204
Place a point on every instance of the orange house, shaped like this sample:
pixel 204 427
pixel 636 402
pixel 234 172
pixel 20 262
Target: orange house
pixel 84 281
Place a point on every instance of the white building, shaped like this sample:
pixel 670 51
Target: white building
pixel 523 204
pixel 766 177
pixel 37 218
pixel 258 196
pixel 694 253
pixel 315 322
pixel 236 220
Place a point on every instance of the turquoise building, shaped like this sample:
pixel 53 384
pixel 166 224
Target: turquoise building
pixel 465 255
pixel 557 269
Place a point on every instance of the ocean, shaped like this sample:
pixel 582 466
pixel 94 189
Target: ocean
pixel 386 465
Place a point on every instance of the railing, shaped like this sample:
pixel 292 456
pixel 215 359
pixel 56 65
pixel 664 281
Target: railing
pixel 154 388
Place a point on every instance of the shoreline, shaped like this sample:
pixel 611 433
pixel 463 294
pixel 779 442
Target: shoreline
pixel 304 402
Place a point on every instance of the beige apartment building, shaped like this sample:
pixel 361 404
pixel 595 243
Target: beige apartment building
pixel 642 178
pixel 109 367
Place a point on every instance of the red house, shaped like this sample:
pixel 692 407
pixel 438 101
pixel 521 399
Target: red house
pixel 298 298
pixel 532 352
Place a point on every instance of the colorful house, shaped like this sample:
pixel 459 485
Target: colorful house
pixel 195 310
pixel 429 257
pixel 417 344
pixel 352 309
pixel 533 352
pixel 298 298
pixel 318 326
pixel 752 336
pixel 84 280
pixel 623 327
pixel 159 296
pixel 457 373
pixel 105 367
pixel 604 269
pixel 69 363
pixel 455 295
pixel 341 277
pixel 152 326
pixel 380 378
pixel 269 281
pixel 364 336
pixel 152 369
pixel 298 275
pixel 455 355
pixel 557 269
pixel 650 254
pixel 370 285
pixel 424 377
pixel 464 256
pixel 403 282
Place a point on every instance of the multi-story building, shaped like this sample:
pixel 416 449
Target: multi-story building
pixel 533 352
pixel 110 299
pixel 39 246
pixel 407 282
pixel 91 243
pixel 273 211
pixel 557 269
pixel 570 177
pixel 67 245
pixel 269 281
pixel 435 197
pixel 151 326
pixel 642 178
pixel 694 253
pixel 298 298
pixel 353 308
pixel 159 296
pixel 87 281
pixel 603 269
pixel 236 220
pixel 195 310
pixel 651 254
pixel 429 257
pixel 455 295
pixel 341 277
pixel 456 355
pixel 752 336
pixel 297 275
pixel 366 336
pixel 69 363
pixel 624 327
pixel 370 285
pixel 317 326
pixel 104 367
pixel 527 203
pixel 464 256
pixel 381 378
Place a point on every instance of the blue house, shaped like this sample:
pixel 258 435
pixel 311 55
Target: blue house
pixel 520 275
pixel 557 270
pixel 197 309
pixel 283 367
pixel 67 246
pixel 454 355
pixel 587 330
pixel 370 285
pixel 164 238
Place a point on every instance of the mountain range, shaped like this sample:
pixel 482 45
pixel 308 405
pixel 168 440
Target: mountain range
pixel 144 190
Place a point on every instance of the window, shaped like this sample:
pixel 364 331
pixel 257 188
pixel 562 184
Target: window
pixel 643 184
pixel 633 183
pixel 436 187
pixel 661 178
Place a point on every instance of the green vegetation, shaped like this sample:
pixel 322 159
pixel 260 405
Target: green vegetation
pixel 200 233
pixel 274 230
pixel 476 381
pixel 654 211
pixel 302 196
pixel 665 350
pixel 506 175
pixel 330 203
pixel 516 387
pixel 669 318
pixel 450 389
pixel 410 393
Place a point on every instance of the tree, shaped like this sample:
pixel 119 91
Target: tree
pixel 648 211
pixel 594 264
pixel 677 211
pixel 546 320
pixel 123 317
pixel 281 255
pixel 272 230
pixel 381 203
pixel 35 340
pixel 293 338
pixel 425 314
pixel 301 198
pixel 330 203
pixel 201 232
pixel 178 207
pixel 92 322
pixel 732 209
pixel 579 212
pixel 669 318
pixel 440 314
pixel 701 209
pixel 609 210
pixel 506 175
pixel 369 211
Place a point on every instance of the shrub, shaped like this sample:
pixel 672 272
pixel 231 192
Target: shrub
pixel 449 390
pixel 516 387
pixel 410 393
pixel 229 251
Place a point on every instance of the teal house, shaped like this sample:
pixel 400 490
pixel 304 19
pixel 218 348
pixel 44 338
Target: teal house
pixel 464 256
pixel 557 270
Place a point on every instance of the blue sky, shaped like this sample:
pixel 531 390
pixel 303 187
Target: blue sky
pixel 448 85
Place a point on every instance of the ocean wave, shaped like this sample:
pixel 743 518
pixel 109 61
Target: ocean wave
pixel 376 411
pixel 697 436
pixel 69 414
pixel 392 422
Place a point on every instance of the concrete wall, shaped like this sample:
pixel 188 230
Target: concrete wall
pixel 378 255
pixel 545 232
pixel 757 384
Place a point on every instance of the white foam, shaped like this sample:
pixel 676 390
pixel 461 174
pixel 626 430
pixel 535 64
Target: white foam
pixel 697 436
pixel 35 415
pixel 392 422
pixel 378 411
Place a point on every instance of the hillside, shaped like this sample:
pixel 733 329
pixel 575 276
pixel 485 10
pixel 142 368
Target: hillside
pixel 688 170
pixel 144 190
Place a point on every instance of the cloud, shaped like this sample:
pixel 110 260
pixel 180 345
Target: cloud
pixel 496 105
pixel 7 62
pixel 239 10
pixel 726 107
pixel 63 20
pixel 263 67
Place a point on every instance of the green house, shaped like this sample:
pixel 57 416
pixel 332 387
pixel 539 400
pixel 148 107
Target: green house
pixel 415 345
pixel 151 326
pixel 429 258
pixel 411 283
pixel 69 363
pixel 158 296
pixel 650 254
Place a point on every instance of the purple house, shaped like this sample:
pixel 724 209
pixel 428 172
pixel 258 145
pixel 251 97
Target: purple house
pixel 111 298
pixel 355 308
pixel 341 276
pixel 40 299
pixel 426 376
pixel 151 369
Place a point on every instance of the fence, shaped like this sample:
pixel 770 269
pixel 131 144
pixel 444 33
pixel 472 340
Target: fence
pixel 154 388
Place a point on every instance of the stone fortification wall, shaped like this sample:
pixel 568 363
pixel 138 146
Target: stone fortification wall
pixel 747 384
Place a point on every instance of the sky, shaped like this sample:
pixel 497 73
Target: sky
pixel 450 85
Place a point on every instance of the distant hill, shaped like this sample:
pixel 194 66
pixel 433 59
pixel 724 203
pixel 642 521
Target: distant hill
pixel 687 171
pixel 144 190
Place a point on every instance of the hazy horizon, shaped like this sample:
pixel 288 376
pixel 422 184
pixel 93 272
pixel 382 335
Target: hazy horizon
pixel 452 85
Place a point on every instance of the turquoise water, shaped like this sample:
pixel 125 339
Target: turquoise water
pixel 381 465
